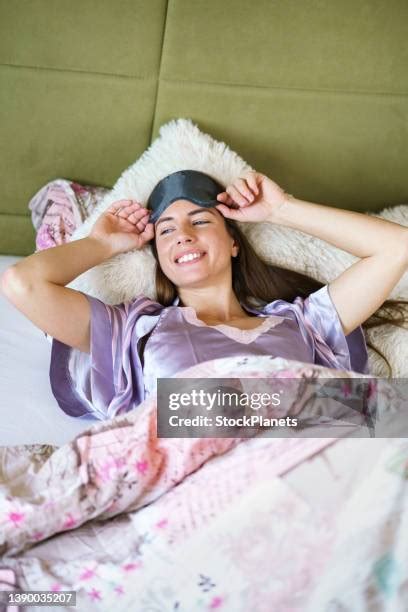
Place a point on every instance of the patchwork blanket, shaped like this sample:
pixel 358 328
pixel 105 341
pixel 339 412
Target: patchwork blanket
pixel 132 521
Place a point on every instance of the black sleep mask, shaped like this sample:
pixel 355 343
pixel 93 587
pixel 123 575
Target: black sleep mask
pixel 191 185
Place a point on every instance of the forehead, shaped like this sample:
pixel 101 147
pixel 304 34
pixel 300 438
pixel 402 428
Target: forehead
pixel 180 208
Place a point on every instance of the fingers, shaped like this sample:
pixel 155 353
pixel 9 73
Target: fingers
pixel 226 211
pixel 243 191
pixel 130 211
pixel 140 225
pixel 251 180
pixel 135 216
pixel 122 208
pixel 236 192
pixel 148 232
pixel 119 204
pixel 225 198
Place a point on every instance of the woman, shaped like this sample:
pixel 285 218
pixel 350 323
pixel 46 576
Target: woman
pixel 207 275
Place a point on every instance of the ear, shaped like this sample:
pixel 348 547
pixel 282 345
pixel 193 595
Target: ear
pixel 235 249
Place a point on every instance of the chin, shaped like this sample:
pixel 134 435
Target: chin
pixel 191 281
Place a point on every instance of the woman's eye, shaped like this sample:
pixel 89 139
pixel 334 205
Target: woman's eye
pixel 170 229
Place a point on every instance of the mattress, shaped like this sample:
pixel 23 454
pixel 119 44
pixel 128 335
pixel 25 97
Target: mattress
pixel 29 412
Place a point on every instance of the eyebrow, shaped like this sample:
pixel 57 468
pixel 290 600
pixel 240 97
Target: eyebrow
pixel 190 214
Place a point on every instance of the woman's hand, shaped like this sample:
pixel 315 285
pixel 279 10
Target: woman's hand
pixel 124 226
pixel 254 198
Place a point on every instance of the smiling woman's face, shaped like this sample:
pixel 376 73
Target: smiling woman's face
pixel 193 244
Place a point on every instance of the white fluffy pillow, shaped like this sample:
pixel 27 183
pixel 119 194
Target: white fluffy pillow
pixel 181 145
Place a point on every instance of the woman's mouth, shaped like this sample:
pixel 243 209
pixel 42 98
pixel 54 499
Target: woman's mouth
pixel 190 258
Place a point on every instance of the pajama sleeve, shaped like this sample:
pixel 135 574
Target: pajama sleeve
pixel 321 328
pixel 323 322
pixel 108 381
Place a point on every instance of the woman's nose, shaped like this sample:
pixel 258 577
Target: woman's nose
pixel 184 236
pixel 183 239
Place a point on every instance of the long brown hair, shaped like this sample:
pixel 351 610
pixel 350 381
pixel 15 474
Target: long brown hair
pixel 255 280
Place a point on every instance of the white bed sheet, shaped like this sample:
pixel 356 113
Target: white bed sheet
pixel 29 413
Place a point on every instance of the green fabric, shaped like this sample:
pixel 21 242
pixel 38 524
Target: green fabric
pixel 312 93
pixel 78 86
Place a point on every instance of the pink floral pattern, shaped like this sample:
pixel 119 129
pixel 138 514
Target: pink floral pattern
pixel 203 524
pixel 59 207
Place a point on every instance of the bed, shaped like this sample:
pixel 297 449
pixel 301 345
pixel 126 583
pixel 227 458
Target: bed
pixel 29 412
pixel 306 93
pixel 340 547
pixel 119 515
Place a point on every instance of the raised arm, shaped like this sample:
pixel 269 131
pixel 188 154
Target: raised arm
pixel 35 287
pixel 382 245
pixel 36 284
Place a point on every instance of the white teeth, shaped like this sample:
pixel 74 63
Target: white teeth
pixel 188 257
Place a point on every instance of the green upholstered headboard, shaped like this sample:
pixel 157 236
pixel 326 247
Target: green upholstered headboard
pixel 311 92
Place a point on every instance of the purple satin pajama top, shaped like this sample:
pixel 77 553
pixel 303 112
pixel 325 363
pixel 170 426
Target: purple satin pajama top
pixel 115 377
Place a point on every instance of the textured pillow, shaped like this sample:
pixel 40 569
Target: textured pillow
pixel 181 145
